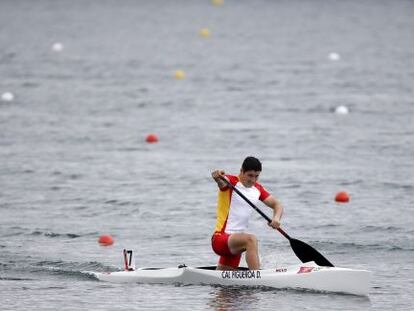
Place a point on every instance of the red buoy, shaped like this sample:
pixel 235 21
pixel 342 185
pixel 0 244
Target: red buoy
pixel 106 240
pixel 342 197
pixel 151 138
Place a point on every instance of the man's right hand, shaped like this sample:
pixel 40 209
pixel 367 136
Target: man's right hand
pixel 216 174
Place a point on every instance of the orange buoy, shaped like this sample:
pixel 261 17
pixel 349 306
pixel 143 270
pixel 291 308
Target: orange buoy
pixel 151 138
pixel 106 240
pixel 342 197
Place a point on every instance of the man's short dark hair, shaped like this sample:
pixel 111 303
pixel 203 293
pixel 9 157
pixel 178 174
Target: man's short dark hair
pixel 251 164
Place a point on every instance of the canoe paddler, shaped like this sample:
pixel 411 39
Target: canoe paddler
pixel 230 238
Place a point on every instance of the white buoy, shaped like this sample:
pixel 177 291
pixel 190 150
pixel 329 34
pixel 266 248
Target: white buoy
pixel 57 47
pixel 7 97
pixel 334 56
pixel 341 110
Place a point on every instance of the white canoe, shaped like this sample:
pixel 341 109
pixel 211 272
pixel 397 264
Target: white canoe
pixel 307 276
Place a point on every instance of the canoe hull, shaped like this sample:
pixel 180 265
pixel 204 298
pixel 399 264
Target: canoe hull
pixel 307 276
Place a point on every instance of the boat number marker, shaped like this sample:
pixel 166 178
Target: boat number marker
pixel 128 260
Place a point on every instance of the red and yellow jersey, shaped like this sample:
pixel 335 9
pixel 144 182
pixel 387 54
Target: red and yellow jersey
pixel 233 212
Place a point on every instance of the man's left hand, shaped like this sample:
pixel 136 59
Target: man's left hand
pixel 275 223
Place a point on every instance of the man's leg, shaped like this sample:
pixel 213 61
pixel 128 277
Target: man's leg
pixel 240 242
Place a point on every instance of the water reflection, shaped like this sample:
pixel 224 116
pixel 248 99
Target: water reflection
pixel 261 298
pixel 233 298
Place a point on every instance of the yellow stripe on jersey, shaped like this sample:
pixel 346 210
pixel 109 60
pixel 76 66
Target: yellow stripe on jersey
pixel 223 207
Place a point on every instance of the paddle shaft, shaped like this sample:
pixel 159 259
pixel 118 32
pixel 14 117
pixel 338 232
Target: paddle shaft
pixel 254 207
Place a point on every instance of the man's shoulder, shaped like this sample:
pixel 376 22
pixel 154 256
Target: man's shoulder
pixel 263 192
pixel 233 179
pixel 258 185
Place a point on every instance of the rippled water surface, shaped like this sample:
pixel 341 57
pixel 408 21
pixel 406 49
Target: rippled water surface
pixel 74 163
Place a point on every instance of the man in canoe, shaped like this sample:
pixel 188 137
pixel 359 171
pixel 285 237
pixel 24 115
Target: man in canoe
pixel 230 238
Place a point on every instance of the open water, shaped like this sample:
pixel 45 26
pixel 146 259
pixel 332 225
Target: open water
pixel 74 163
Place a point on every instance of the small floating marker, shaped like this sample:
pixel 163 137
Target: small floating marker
pixel 179 74
pixel 334 56
pixel 341 110
pixel 106 240
pixel 151 138
pixel 342 197
pixel 57 47
pixel 7 97
pixel 204 32
pixel 217 2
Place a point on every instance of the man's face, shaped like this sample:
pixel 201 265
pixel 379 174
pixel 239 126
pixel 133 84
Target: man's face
pixel 249 178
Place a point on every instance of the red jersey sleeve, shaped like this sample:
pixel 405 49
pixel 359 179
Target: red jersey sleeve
pixel 263 192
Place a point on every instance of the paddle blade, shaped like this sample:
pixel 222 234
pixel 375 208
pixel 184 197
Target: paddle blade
pixel 307 253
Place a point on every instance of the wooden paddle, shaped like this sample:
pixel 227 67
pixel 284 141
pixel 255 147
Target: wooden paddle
pixel 302 250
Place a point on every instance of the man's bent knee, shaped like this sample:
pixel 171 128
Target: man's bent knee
pixel 251 240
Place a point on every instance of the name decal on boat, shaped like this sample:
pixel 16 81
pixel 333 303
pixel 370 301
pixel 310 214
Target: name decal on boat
pixel 248 274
